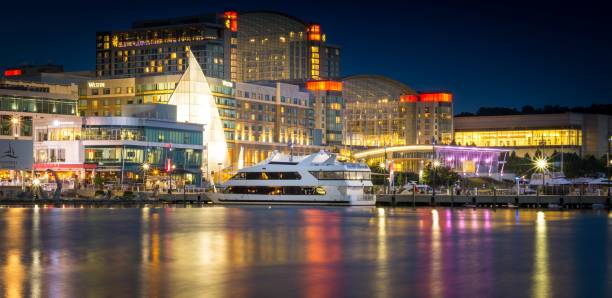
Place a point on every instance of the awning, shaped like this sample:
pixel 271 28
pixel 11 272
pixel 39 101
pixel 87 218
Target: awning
pixel 64 166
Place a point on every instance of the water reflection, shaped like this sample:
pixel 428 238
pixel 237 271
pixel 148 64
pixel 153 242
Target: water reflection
pixel 282 251
pixel 436 281
pixel 382 271
pixel 14 271
pixel 541 278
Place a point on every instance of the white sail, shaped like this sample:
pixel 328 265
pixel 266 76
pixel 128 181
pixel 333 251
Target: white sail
pixel 195 104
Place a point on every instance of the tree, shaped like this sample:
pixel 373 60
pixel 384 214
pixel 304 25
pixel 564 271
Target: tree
pixel 98 181
pixel 443 175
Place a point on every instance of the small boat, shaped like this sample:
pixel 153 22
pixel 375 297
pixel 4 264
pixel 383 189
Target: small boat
pixel 319 179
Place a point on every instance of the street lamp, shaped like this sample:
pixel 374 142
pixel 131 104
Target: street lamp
pixel 145 168
pixel 541 164
pixel 435 164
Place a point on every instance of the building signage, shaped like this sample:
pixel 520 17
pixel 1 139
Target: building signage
pixel 16 154
pixel 96 84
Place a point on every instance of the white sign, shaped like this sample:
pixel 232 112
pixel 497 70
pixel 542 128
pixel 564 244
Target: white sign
pixel 96 84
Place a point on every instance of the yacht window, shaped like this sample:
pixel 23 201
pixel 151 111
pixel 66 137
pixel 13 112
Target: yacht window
pixel 341 175
pixel 276 190
pixel 267 176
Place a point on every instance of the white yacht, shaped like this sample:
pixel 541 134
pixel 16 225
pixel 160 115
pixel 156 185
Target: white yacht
pixel 319 178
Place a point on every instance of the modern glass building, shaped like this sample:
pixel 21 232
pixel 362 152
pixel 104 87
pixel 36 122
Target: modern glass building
pixel 256 118
pixel 384 112
pixel 328 105
pixel 21 104
pixel 161 46
pixel 275 46
pixel 584 134
pixel 116 148
pixel 467 161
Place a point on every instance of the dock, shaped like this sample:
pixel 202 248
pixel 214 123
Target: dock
pixel 493 201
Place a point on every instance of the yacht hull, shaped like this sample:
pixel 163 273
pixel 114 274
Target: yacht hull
pixel 223 198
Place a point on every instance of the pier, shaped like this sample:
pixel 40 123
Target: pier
pixel 571 201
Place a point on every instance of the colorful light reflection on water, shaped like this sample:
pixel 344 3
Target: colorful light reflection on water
pixel 301 251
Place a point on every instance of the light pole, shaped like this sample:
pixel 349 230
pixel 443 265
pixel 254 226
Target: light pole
pixel 609 165
pixel 434 167
pixel 541 164
pixel 145 168
pixel 220 175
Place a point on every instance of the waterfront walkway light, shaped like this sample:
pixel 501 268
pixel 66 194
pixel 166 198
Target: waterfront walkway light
pixel 541 164
pixel 145 168
pixel 436 163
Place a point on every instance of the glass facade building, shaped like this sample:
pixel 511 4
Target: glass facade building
pixel 328 105
pixel 383 112
pixel 584 134
pixel 161 46
pixel 275 46
pixel 116 147
pixel 21 102
pixel 257 118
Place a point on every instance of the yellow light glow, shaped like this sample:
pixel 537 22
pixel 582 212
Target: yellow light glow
pixel 541 164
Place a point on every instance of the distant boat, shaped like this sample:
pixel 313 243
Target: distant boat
pixel 550 179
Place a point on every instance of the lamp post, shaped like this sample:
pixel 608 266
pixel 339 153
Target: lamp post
pixel 609 165
pixel 541 164
pixel 434 167
pixel 220 175
pixel 145 168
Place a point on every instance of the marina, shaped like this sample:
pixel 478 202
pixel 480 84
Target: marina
pixel 317 251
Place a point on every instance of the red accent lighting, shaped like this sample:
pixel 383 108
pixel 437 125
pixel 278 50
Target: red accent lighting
pixel 231 20
pixel 324 86
pixel 436 97
pixel 13 72
pixel 314 32
pixel 409 98
pixel 168 165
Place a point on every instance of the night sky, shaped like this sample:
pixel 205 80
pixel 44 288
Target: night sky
pixel 487 54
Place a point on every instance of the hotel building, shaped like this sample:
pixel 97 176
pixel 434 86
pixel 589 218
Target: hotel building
pixel 584 134
pixel 161 47
pixel 277 47
pixel 328 105
pixel 249 46
pixel 384 112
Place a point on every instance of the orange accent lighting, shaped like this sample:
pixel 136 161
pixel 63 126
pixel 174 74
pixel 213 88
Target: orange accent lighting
pixel 314 32
pixel 409 98
pixel 324 86
pixel 13 72
pixel 436 97
pixel 231 20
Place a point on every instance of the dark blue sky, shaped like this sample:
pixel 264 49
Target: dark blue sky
pixel 486 53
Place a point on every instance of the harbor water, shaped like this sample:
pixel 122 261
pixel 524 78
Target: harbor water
pixel 265 251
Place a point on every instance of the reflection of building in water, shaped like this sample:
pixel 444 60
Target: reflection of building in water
pixel 468 161
pixel 436 281
pixel 323 246
pixel 14 272
pixel 541 275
